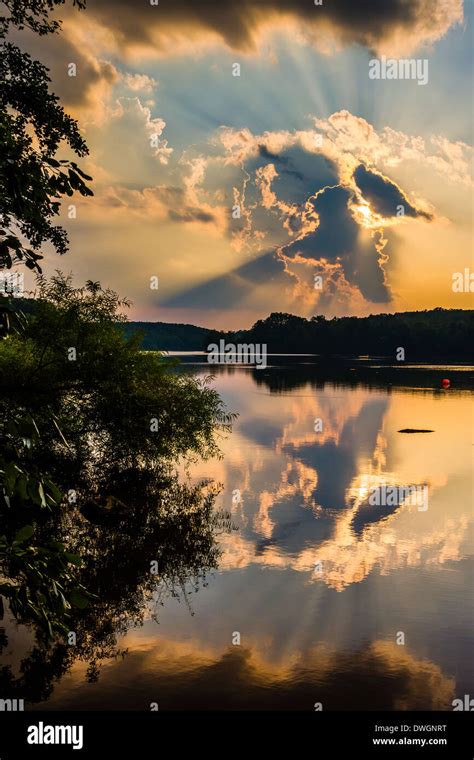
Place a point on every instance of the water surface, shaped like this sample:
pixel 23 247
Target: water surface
pixel 335 603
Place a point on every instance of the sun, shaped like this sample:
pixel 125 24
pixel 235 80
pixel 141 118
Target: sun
pixel 365 212
pixel 364 215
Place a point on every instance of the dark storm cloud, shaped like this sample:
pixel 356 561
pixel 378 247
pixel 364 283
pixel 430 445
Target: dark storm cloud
pixel 338 237
pixel 274 157
pixel 312 170
pixel 363 270
pixel 284 164
pixel 280 161
pixel 170 25
pixel 384 195
pixel 337 232
pixel 300 174
pixel 367 22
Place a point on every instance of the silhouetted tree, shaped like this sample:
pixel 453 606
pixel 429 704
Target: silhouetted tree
pixel 32 126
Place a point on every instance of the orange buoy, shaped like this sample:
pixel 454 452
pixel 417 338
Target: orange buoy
pixel 446 383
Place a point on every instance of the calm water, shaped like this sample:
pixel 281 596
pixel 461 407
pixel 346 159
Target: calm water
pixel 318 584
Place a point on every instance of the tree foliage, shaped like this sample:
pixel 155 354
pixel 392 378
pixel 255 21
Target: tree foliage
pixel 431 335
pixel 72 370
pixel 32 128
pixel 84 411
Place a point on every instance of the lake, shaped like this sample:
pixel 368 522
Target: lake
pixel 320 598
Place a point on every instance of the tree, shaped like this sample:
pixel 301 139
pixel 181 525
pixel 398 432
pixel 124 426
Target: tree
pixel 32 182
pixel 176 525
pixel 71 367
pixel 32 127
pixel 84 411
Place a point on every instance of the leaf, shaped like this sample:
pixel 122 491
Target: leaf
pixel 21 486
pixel 74 559
pixel 57 545
pixel 24 534
pixel 82 174
pixel 12 242
pixel 54 421
pixel 36 492
pixel 78 599
pixel 27 428
pixel 53 495
pixel 48 622
pixel 64 601
pixel 11 473
pixel 41 494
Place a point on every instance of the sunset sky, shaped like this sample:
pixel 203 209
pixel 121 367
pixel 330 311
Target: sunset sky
pixel 318 156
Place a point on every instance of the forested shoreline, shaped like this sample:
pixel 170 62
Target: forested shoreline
pixel 434 335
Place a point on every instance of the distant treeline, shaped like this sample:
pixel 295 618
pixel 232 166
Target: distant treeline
pixel 425 335
pixel 166 336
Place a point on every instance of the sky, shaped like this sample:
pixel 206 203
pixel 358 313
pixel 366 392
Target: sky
pixel 242 154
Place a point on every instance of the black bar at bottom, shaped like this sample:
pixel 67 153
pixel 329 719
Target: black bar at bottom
pixel 137 734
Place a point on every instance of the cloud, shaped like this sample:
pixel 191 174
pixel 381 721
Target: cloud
pixel 108 31
pixel 384 195
pixel 337 239
pixel 167 28
pixel 351 140
pixel 326 239
pixel 84 87
pixel 335 232
pixel 191 214
pixel 307 208
pixel 154 127
pixel 327 200
pixel 140 83
pixel 159 203
pixel 131 130
pixel 265 153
